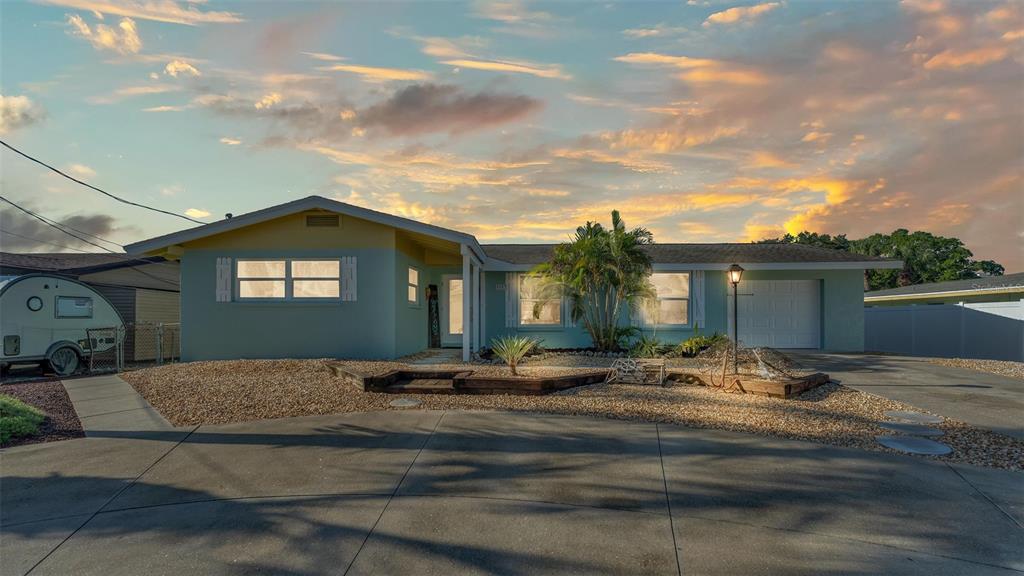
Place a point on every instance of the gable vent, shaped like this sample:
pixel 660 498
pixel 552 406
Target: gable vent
pixel 322 221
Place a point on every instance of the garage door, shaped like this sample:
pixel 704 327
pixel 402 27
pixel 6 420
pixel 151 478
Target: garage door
pixel 779 313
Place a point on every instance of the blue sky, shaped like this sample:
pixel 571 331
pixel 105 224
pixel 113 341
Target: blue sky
pixel 705 121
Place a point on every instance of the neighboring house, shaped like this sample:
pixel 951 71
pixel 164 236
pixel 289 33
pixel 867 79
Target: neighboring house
pixel 977 318
pixel 321 278
pixel 1008 288
pixel 143 291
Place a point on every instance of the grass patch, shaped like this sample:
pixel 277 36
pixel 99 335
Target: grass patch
pixel 17 419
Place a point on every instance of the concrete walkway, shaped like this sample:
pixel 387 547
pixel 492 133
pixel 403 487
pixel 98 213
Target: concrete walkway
pixel 109 403
pixel 421 492
pixel 979 398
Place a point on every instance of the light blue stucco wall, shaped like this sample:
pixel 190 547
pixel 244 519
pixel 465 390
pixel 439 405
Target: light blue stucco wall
pixel 214 330
pixel 842 310
pixel 410 319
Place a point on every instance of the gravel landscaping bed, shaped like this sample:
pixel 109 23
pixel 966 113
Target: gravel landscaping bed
pixel 1006 368
pixel 237 391
pixel 61 420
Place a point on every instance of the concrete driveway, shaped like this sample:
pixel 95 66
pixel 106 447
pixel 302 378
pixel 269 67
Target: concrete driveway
pixel 417 492
pixel 979 398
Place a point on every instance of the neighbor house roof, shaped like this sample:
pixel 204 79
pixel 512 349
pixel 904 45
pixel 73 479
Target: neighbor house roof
pixel 76 262
pixel 982 285
pixel 302 205
pixel 712 255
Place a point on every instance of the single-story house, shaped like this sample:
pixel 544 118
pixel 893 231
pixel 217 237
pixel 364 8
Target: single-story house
pixel 321 278
pixel 1008 288
pixel 144 291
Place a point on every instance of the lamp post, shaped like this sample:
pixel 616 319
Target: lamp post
pixel 735 273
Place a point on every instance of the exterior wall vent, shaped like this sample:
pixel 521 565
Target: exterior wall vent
pixel 322 221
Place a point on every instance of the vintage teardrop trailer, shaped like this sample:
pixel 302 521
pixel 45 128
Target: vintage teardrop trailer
pixel 45 319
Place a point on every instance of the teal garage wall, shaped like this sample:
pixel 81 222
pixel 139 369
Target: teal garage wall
pixel 214 330
pixel 842 304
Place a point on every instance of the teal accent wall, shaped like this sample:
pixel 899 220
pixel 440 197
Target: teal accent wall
pixel 410 320
pixel 842 310
pixel 214 330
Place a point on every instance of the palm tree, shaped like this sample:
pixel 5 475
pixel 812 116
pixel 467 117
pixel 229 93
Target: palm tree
pixel 605 272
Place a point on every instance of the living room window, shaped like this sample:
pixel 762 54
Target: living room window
pixel 538 305
pixel 288 279
pixel 671 305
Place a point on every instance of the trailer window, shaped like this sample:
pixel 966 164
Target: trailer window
pixel 74 307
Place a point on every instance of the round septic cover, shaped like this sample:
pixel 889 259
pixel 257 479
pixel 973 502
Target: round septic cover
pixel 912 429
pixel 913 417
pixel 405 403
pixel 914 445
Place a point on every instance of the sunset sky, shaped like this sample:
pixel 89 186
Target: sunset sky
pixel 705 121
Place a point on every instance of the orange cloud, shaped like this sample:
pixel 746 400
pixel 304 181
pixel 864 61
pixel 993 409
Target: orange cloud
pixel 505 66
pixel 951 59
pixel 379 74
pixel 741 13
pixel 766 159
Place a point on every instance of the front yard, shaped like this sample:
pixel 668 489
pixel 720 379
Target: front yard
pixel 244 390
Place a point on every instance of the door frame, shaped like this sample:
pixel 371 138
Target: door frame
pixel 448 339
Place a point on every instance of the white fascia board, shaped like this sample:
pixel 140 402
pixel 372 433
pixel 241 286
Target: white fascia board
pixel 501 266
pixel 467 250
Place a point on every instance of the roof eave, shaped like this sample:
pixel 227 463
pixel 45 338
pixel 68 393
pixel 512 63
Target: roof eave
pixel 944 294
pixel 493 264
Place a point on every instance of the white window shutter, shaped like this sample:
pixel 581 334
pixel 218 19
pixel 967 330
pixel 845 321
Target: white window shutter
pixel 699 291
pixel 348 279
pixel 511 300
pixel 223 280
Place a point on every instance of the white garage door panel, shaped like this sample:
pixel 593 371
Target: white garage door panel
pixel 779 313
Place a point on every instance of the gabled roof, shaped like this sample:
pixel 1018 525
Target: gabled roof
pixel 721 254
pixel 302 205
pixel 986 284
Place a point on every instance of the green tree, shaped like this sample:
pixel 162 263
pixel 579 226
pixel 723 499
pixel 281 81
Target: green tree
pixel 926 257
pixel 604 272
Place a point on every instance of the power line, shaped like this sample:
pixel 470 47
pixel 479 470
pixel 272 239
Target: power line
pixel 45 242
pixel 54 226
pixel 57 227
pixel 104 192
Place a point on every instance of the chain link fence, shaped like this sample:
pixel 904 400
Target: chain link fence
pixel 133 346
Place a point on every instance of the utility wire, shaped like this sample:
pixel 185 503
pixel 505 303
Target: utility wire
pixel 2 231
pixel 57 227
pixel 104 192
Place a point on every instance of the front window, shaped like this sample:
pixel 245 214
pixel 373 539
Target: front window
pixel 671 305
pixel 414 286
pixel 74 307
pixel 538 305
pixel 288 279
pixel 455 306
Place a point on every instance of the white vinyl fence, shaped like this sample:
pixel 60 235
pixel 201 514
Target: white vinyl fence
pixel 988 330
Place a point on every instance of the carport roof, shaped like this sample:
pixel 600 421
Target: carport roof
pixel 1007 283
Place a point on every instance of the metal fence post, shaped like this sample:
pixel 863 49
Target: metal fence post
pixel 159 344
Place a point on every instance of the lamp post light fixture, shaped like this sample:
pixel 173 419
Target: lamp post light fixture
pixel 735 273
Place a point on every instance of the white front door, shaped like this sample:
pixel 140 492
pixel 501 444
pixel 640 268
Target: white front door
pixel 779 313
pixel 451 310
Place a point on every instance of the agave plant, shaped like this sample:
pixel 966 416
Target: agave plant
pixel 512 349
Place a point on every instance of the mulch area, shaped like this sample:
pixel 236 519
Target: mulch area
pixel 49 396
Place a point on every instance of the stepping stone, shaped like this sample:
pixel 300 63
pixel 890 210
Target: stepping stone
pixel 914 445
pixel 912 429
pixel 913 417
pixel 405 403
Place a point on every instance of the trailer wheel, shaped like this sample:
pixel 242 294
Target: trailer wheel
pixel 64 361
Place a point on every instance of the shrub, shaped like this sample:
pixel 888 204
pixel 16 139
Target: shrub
pixel 512 349
pixel 646 347
pixel 698 342
pixel 17 418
